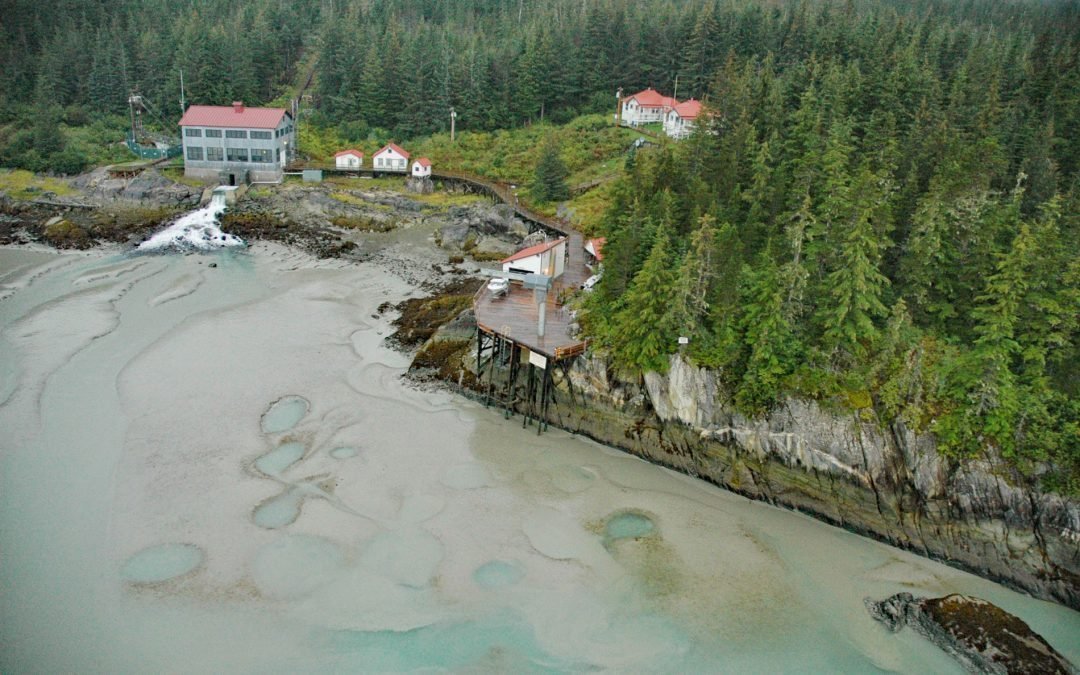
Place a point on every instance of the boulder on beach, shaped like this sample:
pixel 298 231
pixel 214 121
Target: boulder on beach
pixel 983 637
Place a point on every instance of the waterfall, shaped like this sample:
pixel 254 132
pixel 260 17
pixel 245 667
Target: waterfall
pixel 197 230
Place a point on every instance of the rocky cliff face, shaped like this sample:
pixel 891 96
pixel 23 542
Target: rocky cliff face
pixel 891 484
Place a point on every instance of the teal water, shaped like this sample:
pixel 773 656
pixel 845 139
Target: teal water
pixel 161 563
pixel 497 574
pixel 280 458
pixel 284 414
pixel 628 526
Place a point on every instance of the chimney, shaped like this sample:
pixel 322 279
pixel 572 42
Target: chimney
pixel 238 106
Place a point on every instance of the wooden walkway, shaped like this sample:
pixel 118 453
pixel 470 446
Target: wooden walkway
pixel 514 316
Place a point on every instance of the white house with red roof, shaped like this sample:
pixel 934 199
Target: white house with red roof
pixel 548 258
pixel 390 158
pixel 679 121
pixel 421 168
pixel 349 159
pixel 236 144
pixel 646 106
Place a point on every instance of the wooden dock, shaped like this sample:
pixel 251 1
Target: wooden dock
pixel 507 338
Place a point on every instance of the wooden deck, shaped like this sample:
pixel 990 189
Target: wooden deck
pixel 514 316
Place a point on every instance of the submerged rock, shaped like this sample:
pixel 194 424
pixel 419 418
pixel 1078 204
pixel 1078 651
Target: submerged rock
pixel 983 637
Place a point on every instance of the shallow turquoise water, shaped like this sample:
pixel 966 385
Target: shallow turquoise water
pixel 161 563
pixel 280 458
pixel 284 414
pixel 498 573
pixel 629 526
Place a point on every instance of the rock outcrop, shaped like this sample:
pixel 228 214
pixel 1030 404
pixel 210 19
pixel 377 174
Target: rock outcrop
pixel 983 637
pixel 149 188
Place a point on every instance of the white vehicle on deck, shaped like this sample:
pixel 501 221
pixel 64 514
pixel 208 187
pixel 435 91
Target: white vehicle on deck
pixel 498 286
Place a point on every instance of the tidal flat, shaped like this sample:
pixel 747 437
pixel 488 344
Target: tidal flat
pixel 207 469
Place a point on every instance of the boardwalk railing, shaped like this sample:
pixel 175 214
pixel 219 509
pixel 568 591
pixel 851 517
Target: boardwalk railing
pixel 499 190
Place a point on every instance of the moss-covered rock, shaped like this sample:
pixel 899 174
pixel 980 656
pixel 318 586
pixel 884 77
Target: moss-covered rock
pixel 63 233
pixel 983 637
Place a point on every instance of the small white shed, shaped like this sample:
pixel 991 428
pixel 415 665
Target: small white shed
pixel 349 159
pixel 421 168
pixel 391 158
pixel 548 258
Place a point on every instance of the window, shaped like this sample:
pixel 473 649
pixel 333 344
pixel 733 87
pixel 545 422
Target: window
pixel 214 154
pixel 213 133
pixel 194 153
pixel 193 133
pixel 261 135
pixel 238 154
pixel 262 156
pixel 235 133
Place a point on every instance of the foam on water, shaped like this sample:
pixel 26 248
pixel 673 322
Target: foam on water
pixel 161 563
pixel 195 231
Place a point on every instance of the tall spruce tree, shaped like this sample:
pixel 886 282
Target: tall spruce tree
pixel 549 182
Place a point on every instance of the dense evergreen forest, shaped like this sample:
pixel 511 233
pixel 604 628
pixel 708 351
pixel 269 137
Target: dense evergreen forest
pixel 880 208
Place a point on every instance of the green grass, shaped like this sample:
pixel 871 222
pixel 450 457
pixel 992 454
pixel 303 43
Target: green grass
pixel 587 209
pixel 177 175
pixel 441 199
pixel 23 186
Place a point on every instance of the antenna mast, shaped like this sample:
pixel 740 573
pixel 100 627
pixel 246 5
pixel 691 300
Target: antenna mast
pixel 183 107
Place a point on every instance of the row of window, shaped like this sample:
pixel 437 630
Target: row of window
pixel 255 155
pixel 388 162
pixel 236 133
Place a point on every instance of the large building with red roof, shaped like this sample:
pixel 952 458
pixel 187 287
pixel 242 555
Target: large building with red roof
pixel 236 144
pixel 679 121
pixel 649 106
pixel 646 106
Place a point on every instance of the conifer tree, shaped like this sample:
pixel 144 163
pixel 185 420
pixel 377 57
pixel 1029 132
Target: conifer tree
pixel 856 284
pixel 768 337
pixel 644 334
pixel 549 182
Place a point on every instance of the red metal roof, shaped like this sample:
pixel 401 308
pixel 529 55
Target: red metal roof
pixel 650 98
pixel 688 110
pixel 597 247
pixel 424 161
pixel 534 250
pixel 232 117
pixel 349 152
pixel 392 146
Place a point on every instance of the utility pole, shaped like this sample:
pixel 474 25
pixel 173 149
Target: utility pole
pixel 453 119
pixel 676 94
pixel 618 107
pixel 183 106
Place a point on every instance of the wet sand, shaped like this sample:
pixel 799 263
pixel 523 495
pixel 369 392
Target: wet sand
pixel 207 469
